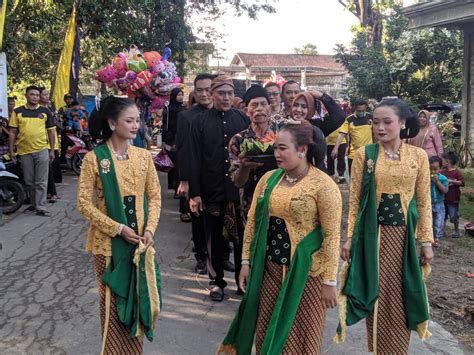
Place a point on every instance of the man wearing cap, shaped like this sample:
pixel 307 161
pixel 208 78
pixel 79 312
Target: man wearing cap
pixel 211 189
pixel 251 150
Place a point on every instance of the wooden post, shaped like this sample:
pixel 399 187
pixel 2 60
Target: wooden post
pixel 303 79
pixel 248 77
pixel 467 120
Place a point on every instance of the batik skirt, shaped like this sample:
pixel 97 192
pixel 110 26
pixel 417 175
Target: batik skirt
pixel 387 332
pixel 115 335
pixel 306 334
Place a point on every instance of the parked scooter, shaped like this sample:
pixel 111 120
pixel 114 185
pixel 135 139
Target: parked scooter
pixel 77 150
pixel 12 193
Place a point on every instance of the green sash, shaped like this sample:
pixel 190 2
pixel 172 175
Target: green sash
pixel 136 295
pixel 361 284
pixel 240 336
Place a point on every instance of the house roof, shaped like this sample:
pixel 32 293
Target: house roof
pixel 440 13
pixel 287 60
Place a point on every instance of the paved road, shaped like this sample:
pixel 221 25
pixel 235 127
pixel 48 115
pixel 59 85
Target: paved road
pixel 48 296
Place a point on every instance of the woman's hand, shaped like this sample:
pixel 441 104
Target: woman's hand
pixel 130 236
pixel 316 94
pixel 329 296
pixel 426 255
pixel 243 276
pixel 346 251
pixel 147 239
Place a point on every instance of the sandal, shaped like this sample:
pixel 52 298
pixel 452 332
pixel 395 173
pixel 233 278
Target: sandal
pixel 217 294
pixel 185 217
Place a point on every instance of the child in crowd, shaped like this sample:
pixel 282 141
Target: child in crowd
pixel 455 181
pixel 439 187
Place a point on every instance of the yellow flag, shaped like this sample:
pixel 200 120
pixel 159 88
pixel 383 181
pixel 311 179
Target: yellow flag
pixel 61 85
pixel 3 14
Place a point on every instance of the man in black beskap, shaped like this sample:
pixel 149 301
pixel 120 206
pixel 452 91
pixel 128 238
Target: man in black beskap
pixel 211 189
pixel 202 94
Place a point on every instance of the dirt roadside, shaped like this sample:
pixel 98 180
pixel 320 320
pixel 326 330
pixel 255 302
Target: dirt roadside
pixel 451 292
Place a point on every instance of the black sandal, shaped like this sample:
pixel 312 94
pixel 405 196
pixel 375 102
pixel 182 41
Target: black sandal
pixel 217 294
pixel 185 217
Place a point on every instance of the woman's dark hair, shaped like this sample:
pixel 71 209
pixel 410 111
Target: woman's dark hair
pixel 302 134
pixel 451 157
pixel 191 99
pixel 110 109
pixel 404 112
pixel 317 106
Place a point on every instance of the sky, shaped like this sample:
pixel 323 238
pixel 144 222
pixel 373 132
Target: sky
pixel 323 23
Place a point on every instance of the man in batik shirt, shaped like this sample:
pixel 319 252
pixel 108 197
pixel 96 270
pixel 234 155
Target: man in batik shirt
pixel 251 151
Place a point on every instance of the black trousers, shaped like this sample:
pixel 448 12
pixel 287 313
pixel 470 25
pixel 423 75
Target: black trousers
pixel 184 205
pixel 199 237
pixel 173 173
pixel 57 174
pixel 218 246
pixel 341 163
pixel 52 174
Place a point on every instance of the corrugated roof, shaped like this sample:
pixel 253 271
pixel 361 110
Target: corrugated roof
pixel 287 60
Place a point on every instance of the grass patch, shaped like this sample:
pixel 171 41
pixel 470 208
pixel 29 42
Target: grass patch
pixel 466 206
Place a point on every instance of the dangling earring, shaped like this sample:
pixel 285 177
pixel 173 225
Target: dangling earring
pixel 403 126
pixel 301 155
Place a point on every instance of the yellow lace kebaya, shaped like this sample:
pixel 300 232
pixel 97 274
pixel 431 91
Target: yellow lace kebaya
pixel 407 177
pixel 137 177
pixel 314 200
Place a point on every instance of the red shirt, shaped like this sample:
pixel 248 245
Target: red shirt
pixel 454 191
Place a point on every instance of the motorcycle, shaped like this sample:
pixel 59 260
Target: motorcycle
pixel 12 193
pixel 77 150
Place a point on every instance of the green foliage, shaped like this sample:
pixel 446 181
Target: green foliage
pixel 466 205
pixel 35 30
pixel 308 49
pixel 370 77
pixel 421 66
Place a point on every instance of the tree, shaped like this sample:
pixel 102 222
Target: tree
pixel 34 32
pixel 370 15
pixel 308 49
pixel 421 66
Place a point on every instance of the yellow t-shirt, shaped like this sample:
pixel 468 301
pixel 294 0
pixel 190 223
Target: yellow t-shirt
pixel 359 132
pixel 332 138
pixel 32 125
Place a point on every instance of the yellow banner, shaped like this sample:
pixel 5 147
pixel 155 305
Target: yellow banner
pixel 61 85
pixel 3 14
